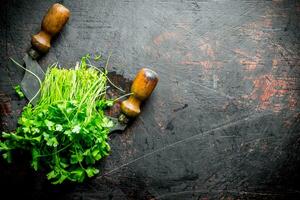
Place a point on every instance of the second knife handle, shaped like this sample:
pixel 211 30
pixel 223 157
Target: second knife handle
pixel 142 87
pixel 53 22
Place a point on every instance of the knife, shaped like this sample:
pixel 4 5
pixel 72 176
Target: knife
pixel 53 22
pixel 141 88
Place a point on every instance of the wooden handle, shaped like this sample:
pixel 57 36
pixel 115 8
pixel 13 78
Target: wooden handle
pixel 142 87
pixel 53 22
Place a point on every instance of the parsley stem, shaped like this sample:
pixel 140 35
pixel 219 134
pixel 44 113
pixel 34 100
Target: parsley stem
pixel 51 154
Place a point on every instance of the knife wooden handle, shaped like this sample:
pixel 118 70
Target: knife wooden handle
pixel 142 87
pixel 53 22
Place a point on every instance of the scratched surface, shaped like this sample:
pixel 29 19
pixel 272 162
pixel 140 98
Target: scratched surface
pixel 223 122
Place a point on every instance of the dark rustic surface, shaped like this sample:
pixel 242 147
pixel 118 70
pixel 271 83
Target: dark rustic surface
pixel 223 122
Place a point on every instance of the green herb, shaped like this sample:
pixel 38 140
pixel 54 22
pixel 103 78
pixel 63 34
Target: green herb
pixel 18 91
pixel 67 131
pixel 97 57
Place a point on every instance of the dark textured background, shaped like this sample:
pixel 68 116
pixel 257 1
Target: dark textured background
pixel 223 122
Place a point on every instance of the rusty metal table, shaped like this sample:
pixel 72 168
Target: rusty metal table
pixel 223 122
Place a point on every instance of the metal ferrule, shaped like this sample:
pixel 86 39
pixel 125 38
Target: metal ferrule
pixel 34 54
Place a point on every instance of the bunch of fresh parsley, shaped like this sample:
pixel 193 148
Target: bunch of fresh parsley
pixel 67 131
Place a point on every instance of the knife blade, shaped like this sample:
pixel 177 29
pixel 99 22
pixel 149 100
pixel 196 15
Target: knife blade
pixel 30 83
pixel 141 89
pixel 53 22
